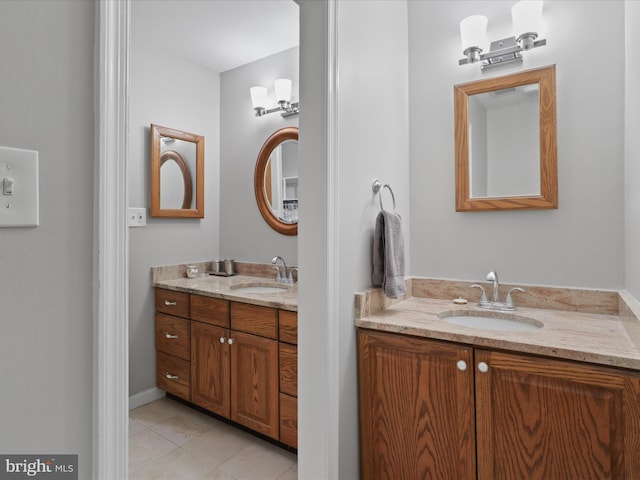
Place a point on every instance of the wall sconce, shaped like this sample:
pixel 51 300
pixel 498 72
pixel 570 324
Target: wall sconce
pixel 526 15
pixel 260 100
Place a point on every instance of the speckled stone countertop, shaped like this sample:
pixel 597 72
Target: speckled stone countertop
pixel 594 326
pixel 174 278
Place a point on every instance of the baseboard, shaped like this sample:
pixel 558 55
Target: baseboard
pixel 147 396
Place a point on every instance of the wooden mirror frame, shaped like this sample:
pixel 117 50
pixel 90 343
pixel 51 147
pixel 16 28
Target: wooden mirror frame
pixel 278 137
pixel 157 159
pixel 546 79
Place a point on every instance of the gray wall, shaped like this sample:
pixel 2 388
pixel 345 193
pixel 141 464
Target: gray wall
pixel 244 235
pixel 175 93
pixel 632 150
pixel 46 292
pixel 581 244
pixel 372 142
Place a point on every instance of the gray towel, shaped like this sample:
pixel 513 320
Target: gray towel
pixel 388 254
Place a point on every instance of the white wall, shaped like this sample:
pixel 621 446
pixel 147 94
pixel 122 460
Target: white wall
pixel 244 235
pixel 581 243
pixel 632 150
pixel 46 316
pixel 372 142
pixel 171 92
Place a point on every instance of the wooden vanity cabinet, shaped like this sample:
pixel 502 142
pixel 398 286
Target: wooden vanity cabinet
pixel 288 357
pixel 526 416
pixel 416 409
pixel 541 418
pixel 173 343
pixel 234 359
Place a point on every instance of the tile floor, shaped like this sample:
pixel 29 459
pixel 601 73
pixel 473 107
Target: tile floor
pixel 168 440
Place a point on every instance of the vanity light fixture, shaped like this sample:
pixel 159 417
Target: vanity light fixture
pixel 260 99
pixel 526 15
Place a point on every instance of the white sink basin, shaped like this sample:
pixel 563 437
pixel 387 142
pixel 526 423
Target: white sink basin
pixel 260 288
pixel 504 322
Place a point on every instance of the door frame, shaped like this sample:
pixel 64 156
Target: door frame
pixel 111 243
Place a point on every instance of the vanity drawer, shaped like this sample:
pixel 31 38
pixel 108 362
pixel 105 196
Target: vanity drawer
pixel 173 375
pixel 213 311
pixel 254 319
pixel 173 335
pixel 288 358
pixel 289 420
pixel 172 303
pixel 288 326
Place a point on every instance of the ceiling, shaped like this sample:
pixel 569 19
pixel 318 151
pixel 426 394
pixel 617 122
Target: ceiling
pixel 221 34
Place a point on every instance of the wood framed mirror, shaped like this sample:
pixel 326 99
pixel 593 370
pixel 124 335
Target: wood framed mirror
pixel 506 142
pixel 176 172
pixel 276 181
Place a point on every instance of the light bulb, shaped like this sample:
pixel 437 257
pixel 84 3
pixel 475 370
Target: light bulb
pixel 283 90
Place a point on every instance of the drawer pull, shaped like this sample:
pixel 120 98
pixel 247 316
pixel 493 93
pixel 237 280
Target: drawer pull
pixel 170 304
pixel 168 335
pixel 223 339
pixel 171 377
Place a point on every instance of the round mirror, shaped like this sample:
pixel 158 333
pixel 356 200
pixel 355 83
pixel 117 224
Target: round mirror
pixel 276 181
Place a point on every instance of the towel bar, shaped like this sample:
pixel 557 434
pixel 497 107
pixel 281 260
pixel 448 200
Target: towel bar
pixel 378 187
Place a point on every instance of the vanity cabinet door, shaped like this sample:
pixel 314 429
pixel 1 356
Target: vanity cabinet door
pixel 210 365
pixel 254 383
pixel 416 408
pixel 540 418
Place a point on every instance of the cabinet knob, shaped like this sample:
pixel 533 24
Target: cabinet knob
pixel 170 304
pixel 223 339
pixel 171 377
pixel 231 341
pixel 462 365
pixel 168 335
pixel 483 367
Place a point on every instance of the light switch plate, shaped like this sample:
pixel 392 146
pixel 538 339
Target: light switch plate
pixel 19 203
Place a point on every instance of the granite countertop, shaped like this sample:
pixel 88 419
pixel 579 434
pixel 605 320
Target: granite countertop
pixel 570 331
pixel 171 278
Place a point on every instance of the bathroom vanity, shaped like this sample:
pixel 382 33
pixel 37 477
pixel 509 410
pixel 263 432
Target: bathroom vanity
pixel 443 401
pixel 229 345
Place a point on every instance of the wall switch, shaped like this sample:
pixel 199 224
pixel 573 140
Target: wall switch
pixel 19 193
pixel 137 217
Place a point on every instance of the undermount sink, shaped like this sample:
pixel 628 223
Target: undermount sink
pixel 260 287
pixel 490 321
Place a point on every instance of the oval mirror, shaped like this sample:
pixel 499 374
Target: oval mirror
pixel 276 181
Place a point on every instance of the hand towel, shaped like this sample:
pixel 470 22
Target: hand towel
pixel 388 254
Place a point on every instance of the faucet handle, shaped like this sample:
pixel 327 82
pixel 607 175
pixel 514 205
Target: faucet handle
pixel 509 300
pixel 492 276
pixel 277 269
pixel 483 298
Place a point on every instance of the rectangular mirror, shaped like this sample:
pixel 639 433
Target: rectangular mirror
pixel 506 147
pixel 176 173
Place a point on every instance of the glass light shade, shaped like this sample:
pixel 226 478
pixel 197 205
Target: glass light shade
pixel 283 90
pixel 473 32
pixel 259 97
pixel 527 17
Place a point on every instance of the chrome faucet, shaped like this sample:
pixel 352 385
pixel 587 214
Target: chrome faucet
pixel 493 277
pixel 495 303
pixel 280 278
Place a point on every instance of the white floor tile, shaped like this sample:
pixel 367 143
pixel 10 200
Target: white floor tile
pixel 259 462
pixel 145 447
pixel 178 464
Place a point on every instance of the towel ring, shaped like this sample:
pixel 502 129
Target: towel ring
pixel 378 187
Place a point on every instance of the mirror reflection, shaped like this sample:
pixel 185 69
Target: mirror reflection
pixel 504 146
pixel 281 181
pixel 177 161
pixel 176 173
pixel 276 181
